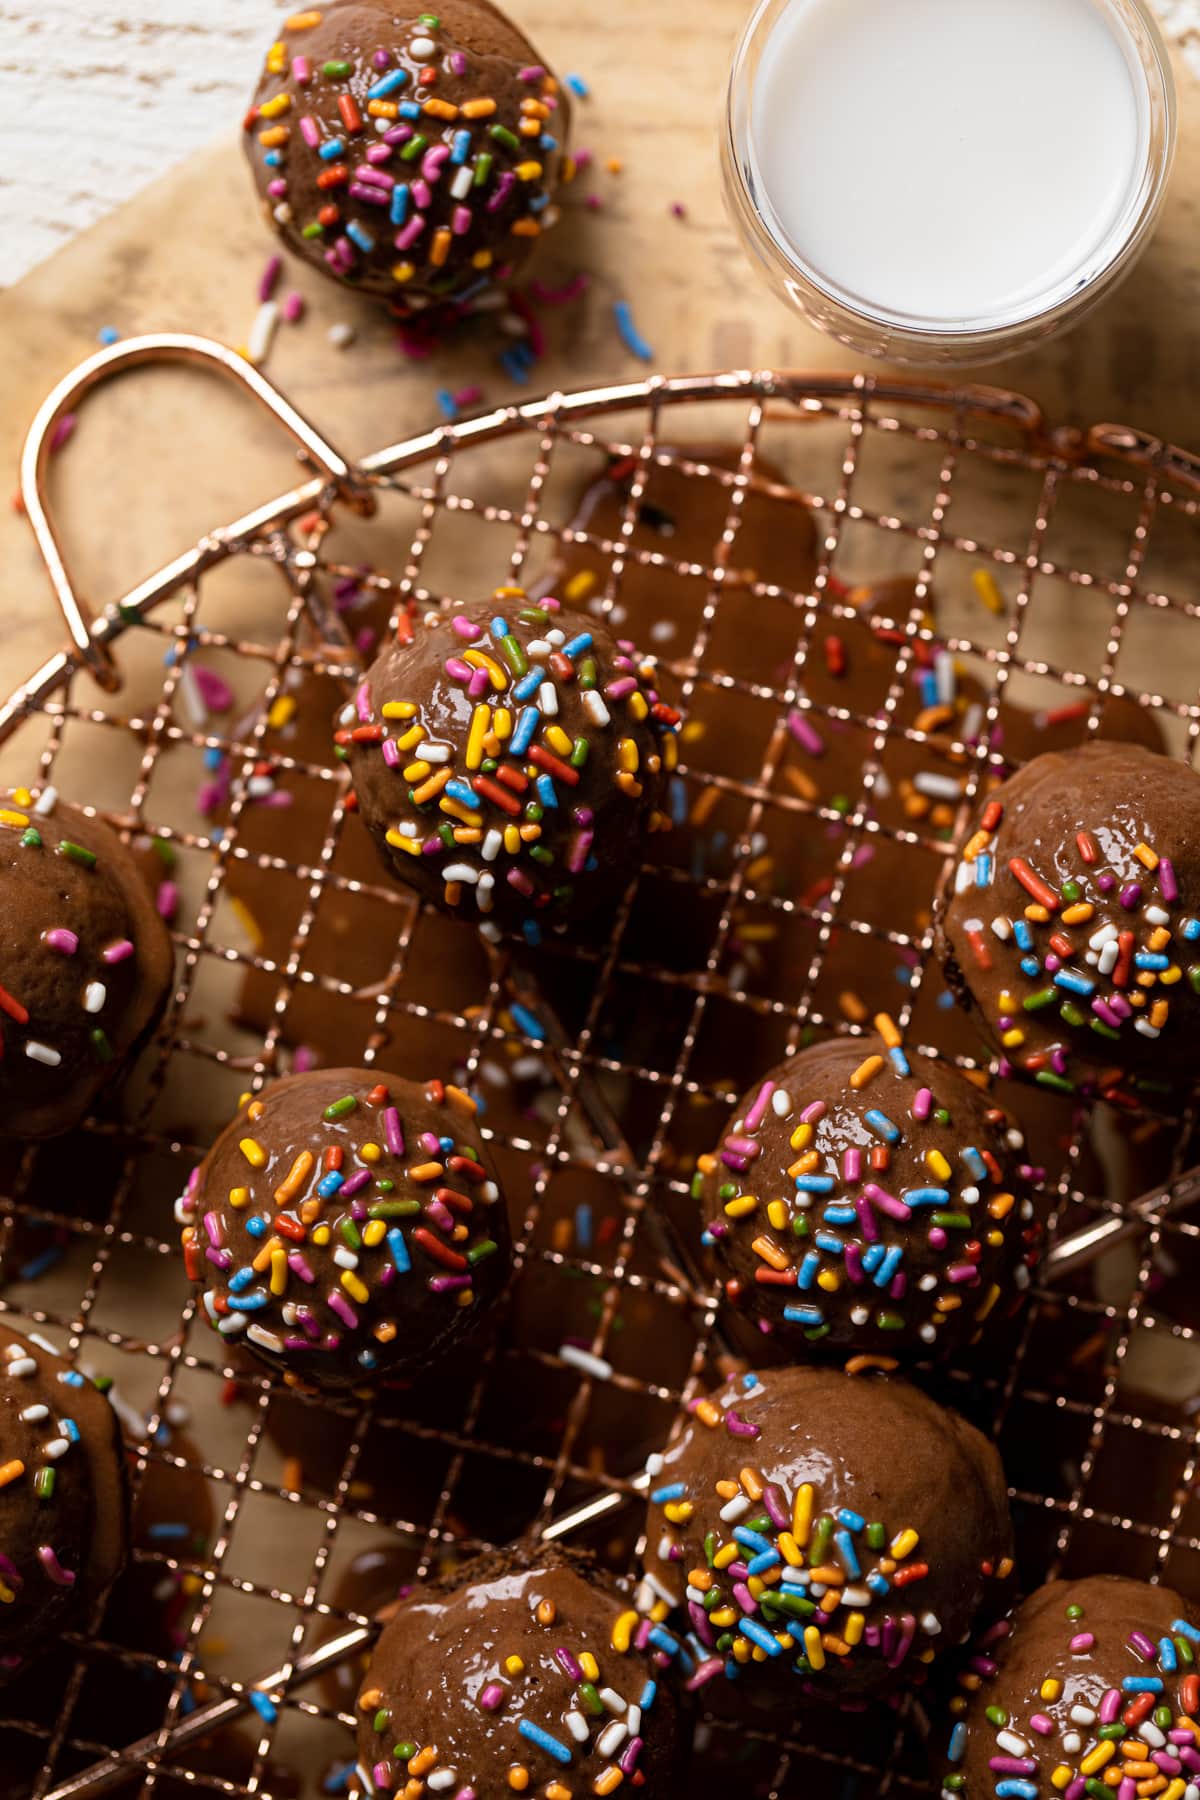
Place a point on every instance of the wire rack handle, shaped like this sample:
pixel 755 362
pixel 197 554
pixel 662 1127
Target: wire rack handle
pixel 160 347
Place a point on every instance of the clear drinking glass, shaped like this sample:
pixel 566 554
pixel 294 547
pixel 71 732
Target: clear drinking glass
pixel 867 327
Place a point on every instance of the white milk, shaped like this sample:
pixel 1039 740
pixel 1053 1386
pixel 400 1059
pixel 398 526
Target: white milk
pixel 949 161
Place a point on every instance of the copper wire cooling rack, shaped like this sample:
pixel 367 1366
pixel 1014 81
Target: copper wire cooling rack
pixel 262 1520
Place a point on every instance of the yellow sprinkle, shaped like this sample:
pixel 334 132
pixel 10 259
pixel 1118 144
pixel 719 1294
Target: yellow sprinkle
pixel 22 796
pixel 622 1632
pixel 254 1153
pixel 1013 1038
pixel 866 1071
pixel 777 1214
pixel 238 1196
pixel 1096 1759
pixel 528 171
pixel 1149 860
pixel 481 721
pixel 801 1137
pixel 813 1647
pixel 558 740
pixel 984 583
pixel 456 811
pixel 370 1153
pixel 1050 1689
pixel 17 820
pixel 936 1163
pixel 742 1207
pixel 279 1271
pixel 589 1665
pixel 482 259
pixel 6 1595
pixel 283 710
pixel 903 1544
pixel 1170 976
pixel 417 771
pixel 678 1512
pixel 829 1281
pixel 852 1630
pixel 1078 914
pixel 271 109
pixel 637 706
pixel 512 839
pixel 478 659
pixel 398 709
pixel 412 845
pixel 728 1553
pixel 502 723
pixel 374 1232
pixel 802 1513
pixel 356 1289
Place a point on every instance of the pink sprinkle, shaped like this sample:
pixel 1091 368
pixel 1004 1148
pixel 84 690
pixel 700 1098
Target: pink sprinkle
pixel 379 153
pixel 293 308
pixel 432 161
pixel 937 1238
pixel 755 1116
pixel 300 1266
pixel 967 1274
pixel 212 1225
pixel 739 1427
pixel 852 1165
pixel 448 1284
pixel 678 209
pixel 58 437
pixel 1168 885
pixel 1041 1724
pixel 465 629
pixel 923 1104
pixel 404 240
pixel 62 940
pixel 478 685
pixel 460 221
pixel 468 396
pixel 868 1223
pixel 491 1697
pixel 422 194
pixel 277 188
pixel 167 900
pixel 59 1576
pixel 888 1203
pixel 1110 1706
pixel 804 733
pixel 534 72
pixel 458 670
pixel 269 279
pixel 362 703
pixel 742 1146
pixel 458 63
pixel 391 754
pixel 304 1060
pixel 1145 1647
pixel 376 177
pixel 216 693
pixel 337 1303
pixel 310 131
pixel 301 70
pixel 393 1135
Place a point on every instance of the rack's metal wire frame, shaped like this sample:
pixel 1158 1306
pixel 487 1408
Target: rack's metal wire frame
pixel 994 425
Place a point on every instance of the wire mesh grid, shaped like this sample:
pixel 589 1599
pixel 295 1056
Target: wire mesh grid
pixel 266 1522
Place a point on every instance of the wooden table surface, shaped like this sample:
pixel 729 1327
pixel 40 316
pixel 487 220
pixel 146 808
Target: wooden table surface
pixel 164 456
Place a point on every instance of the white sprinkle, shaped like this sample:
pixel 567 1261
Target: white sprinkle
pixel 972 924
pixel 463 182
pixel 1146 1028
pixel 927 1283
pixel 1013 1745
pixel 1152 1735
pixel 368 1784
pixel 483 892
pixel 266 1340
pixel 42 1053
pixel 577 1726
pixel 943 664
pixel 611 1738
pixel 1072 1743
pixel 489 1193
pixel 191 697
pixel 1082 1715
pixel 583 1359
pixel 22 1366
pixel 1001 928
pixel 859 1315
pixel 616 1703
pixel 548 699
pixel 94 996
pixel 856 1596
pixel 489 929
pixel 930 1624
pixel 341 335
pixel 651 1581
pixel 282 214
pixel 938 787
pixel 593 705
pixel 33 1415
pixel 460 872
pixel 735 1509
pixel 781 1103
pixel 556 638
pixel 1107 934
pixel 663 630
pixel 231 1324
pixel 422 48
pixel 969 1196
pixel 46 802
pixel 57 1447
pixel 442 1778
pixel 538 649
pixel 345 1259
pixel 633 1719
pixel 433 753
pixel 259 786
pixel 1156 915
pixel 927 1334
pixel 1108 957
pixel 655 1464
pixel 964 877
pixel 266 320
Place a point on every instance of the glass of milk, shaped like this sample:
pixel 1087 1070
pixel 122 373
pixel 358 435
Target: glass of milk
pixel 945 181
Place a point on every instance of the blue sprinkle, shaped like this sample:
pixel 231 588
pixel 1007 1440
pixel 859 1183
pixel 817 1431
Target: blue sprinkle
pixel 1016 1790
pixel 515 363
pixel 1023 934
pixel 976 1166
pixel 528 685
pixel 881 1125
pixel 887 1268
pixel 1076 984
pixel 409 109
pixel 545 1742
pixel 1147 959
pixel 804 1315
pixel 839 1215
pixel 630 337
pixel 958 1741
pixel 72 1378
pixel 675 1491
pixel 465 795
pixel 187 1702
pixel 1191 930
pixel 213 758
pixel 546 791
pixel 879 1585
pixel 257 1227
pixel 1030 966
pixel 583 1225
pixel 461 148
pixel 983 870
pixel 1142 1684
pixel 391 83
pixel 752 1540
pixel 578 645
pixel 265 1708
pixel 577 85
pixel 899 1061
pixel 108 334
pixel 358 234
pixel 946 1001
pixel 768 1559
pixel 648 1696
pixel 758 1634
pixel 447 405
pixel 815 1184
pixel 845 1544
pixel 531 931
pixel 247 1302
pixel 338 1780
pixel 69 1429
pixel 1189 1631
pixel 164 1529
pixel 872 1256
pixel 499 628
pixel 662 1640
pixel 928 685
pixel 851 1520
pixel 400 199
pixel 527 723
pixel 242 1280
pixel 825 1240
pixel 527 1023
pixel 808 1270
pixel 1168 1658
pixel 399 1250
pixel 925 1196
pixel 329 1184
pixel 274 159
pixel 678 799
pixel 332 150
pixel 38 1265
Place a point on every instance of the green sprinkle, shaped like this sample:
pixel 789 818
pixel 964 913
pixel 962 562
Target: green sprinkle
pixel 430 21
pixel 164 851
pixel 1069 1012
pixel 876 1535
pixel 952 1221
pixel 800 1227
pixel 405 1752
pixel 1184 1650
pixel 1043 997
pixel 697 1187
pixel 350 1233
pixel 727 1190
pixel 43 1484
pixel 1194 976
pixel 587 672
pixel 591 1698
pixel 941 1116
pixel 339 1108
pixel 489 765
pixel 890 1321
pixel 815 1333
pixel 996 1715
pixel 1074 1613
pixel 1098 1026
pixel 446 833
pixel 483 168
pixel 31 839
pixel 793 1605
pixel 710 1547
pixel 1163 1717
pixel 1111 1733
pixel 579 753
pixel 514 656
pixel 382 1720
pixel 502 135
pixel 129 614
pixel 1060 1084
pixel 77 854
pixel 534 615
pixel 955 1783
pixel 337 71
pixel 822 1537
pixel 540 854
pixel 313 231
pixel 534 812
pixel 102 1050
pixel 385 1184
pixel 393 1209
pixel 413 148
pixel 487 1247
pixel 1071 891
